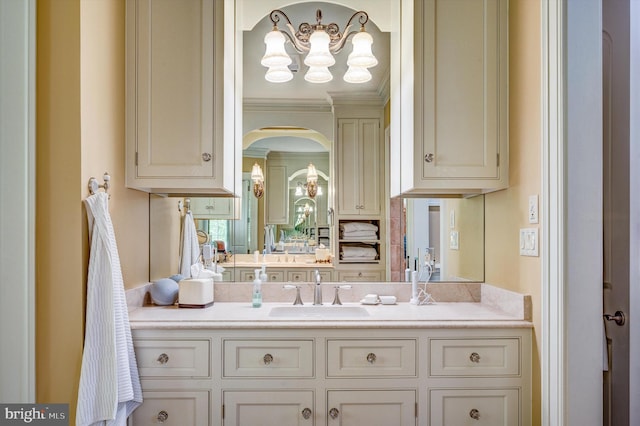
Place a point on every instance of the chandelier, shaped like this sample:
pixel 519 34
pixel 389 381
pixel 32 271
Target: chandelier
pixel 320 42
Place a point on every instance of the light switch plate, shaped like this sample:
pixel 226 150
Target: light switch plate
pixel 529 242
pixel 454 243
pixel 533 209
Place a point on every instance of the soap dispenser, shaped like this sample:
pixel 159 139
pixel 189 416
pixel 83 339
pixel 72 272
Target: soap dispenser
pixel 263 274
pixel 257 290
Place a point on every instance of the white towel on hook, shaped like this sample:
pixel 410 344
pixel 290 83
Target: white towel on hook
pixel 190 248
pixel 109 387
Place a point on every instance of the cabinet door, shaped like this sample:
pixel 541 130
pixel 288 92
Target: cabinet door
pixel 268 408
pixel 174 110
pixel 481 407
pixel 460 105
pixel 359 166
pixel 215 208
pixel 179 408
pixel 371 408
pixel 277 195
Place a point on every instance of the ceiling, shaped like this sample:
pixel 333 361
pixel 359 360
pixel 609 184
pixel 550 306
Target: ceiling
pixel 255 87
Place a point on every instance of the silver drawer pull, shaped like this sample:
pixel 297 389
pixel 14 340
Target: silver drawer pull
pixel 429 157
pixel 334 413
pixel 163 358
pixel 267 359
pixel 371 358
pixel 474 357
pixel 474 414
pixel 162 416
pixel 206 156
pixel 306 413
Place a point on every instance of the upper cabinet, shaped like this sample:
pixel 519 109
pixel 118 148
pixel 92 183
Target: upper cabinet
pixel 175 101
pixel 454 132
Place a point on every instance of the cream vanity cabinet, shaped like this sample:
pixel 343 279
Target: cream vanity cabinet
pixel 458 139
pixel 334 376
pixel 175 115
pixel 360 169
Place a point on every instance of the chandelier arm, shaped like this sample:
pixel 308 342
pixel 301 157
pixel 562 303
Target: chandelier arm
pixel 336 48
pixel 297 45
pixel 275 18
pixel 363 18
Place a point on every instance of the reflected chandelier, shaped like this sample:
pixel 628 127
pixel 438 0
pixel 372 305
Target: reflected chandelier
pixel 320 42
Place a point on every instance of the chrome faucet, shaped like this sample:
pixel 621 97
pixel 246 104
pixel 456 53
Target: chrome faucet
pixel 317 294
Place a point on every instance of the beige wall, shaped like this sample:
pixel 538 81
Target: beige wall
pixel 506 211
pixel 80 133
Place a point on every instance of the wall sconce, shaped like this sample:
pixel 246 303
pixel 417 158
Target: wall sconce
pixel 312 180
pixel 258 180
pixel 321 42
pixel 307 209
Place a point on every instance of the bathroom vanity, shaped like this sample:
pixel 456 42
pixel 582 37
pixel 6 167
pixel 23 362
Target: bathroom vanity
pixel 451 363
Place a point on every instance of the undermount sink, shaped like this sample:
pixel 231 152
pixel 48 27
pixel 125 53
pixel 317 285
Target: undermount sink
pixel 318 311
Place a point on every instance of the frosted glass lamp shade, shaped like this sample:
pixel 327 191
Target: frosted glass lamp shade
pixel 361 56
pixel 280 74
pixel 318 75
pixel 256 173
pixel 312 173
pixel 275 55
pixel 357 75
pixel 319 54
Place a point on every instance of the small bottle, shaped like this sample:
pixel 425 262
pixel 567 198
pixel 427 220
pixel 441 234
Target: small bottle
pixel 257 290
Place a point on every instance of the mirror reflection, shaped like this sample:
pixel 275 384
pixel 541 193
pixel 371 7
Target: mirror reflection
pixel 285 128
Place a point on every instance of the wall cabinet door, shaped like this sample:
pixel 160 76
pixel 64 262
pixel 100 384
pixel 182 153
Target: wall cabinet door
pixel 371 408
pixel 359 166
pixel 277 195
pixel 268 408
pixel 460 118
pixel 215 208
pixel 174 97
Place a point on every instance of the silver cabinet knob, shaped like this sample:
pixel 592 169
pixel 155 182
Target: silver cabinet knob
pixel 162 416
pixel 360 274
pixel 163 358
pixel 474 357
pixel 267 359
pixel 334 413
pixel 306 413
pixel 429 157
pixel 206 156
pixel 371 358
pixel 474 414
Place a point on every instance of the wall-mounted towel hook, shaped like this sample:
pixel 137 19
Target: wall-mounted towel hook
pixel 94 186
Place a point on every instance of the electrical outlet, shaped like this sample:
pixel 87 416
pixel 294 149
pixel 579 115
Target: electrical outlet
pixel 529 242
pixel 533 209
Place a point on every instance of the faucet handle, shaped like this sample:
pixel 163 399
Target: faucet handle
pixel 336 298
pixel 298 300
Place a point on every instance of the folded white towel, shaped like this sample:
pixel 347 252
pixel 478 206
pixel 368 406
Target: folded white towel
pixel 360 234
pixel 354 251
pixel 358 226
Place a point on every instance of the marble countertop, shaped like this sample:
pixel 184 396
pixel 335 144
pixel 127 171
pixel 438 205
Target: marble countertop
pixel 402 315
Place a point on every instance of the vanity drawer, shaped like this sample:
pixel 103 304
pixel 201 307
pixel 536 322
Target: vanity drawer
pixel 247 275
pixel 371 358
pixel 297 276
pixel 275 276
pixel 172 358
pixel 481 407
pixel 268 358
pixel 474 357
pixel 179 408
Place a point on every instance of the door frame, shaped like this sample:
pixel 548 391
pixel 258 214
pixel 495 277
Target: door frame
pixel 571 32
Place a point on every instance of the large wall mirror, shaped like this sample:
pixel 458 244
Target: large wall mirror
pixel 285 127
